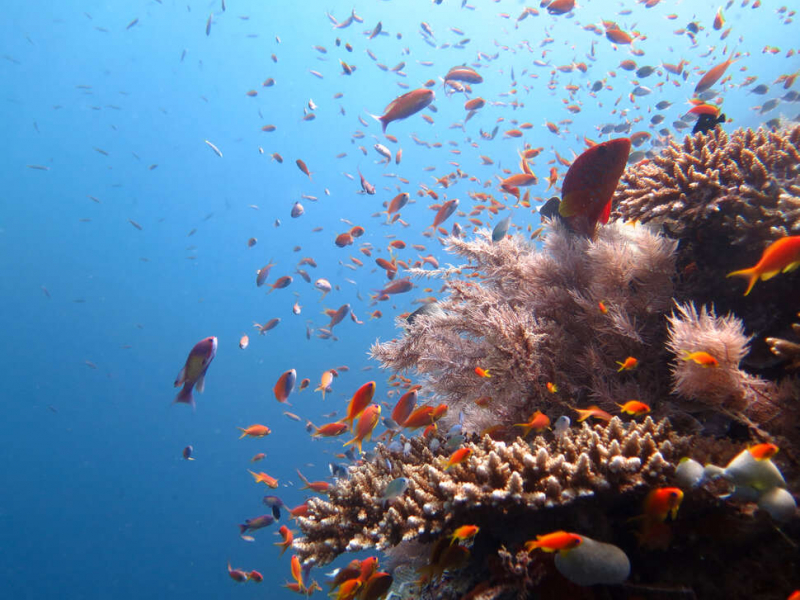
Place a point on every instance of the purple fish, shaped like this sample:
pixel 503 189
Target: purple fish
pixel 256 523
pixel 194 371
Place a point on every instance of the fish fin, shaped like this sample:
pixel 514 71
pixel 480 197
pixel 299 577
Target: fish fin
pixel 185 396
pixel 200 385
pixel 791 267
pixel 606 214
pixel 181 378
pixel 750 274
pixel 380 120
pixel 767 275
pixel 244 432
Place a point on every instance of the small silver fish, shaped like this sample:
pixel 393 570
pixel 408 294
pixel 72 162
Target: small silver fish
pixel 454 442
pixel 501 229
pixel 395 488
pixel 297 210
pixel 561 425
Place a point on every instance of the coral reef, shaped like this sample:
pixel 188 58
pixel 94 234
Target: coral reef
pixel 515 480
pixel 551 327
pixel 536 317
pixel 745 186
pixel 726 198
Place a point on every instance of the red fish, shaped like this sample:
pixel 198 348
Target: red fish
pixel 447 209
pixel 193 372
pixel 237 574
pixel 661 502
pixel 404 407
pixel 330 430
pixel 406 105
pixel 359 402
pixel 554 542
pixel 302 166
pixel 285 385
pixel 589 185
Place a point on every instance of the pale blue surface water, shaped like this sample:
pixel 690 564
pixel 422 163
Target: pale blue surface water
pixel 95 499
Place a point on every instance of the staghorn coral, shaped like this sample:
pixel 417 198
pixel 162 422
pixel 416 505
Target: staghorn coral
pixel 499 481
pixel 744 186
pixel 534 317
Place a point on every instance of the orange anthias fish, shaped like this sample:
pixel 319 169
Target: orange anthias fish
pixel 406 105
pixel 763 451
pixel 367 422
pixel 321 487
pixel 713 75
pixel 331 430
pixel 661 502
pixel 482 372
pixel 348 590
pixel 592 411
pixel 457 457
pixel 630 363
pixel 255 431
pixel 297 570
pixel 422 417
pixel 264 478
pixel 325 383
pixel 589 185
pixel 258 457
pixel 237 574
pixel 554 542
pixel 635 408
pixel 193 372
pixel 781 256
pixel 538 422
pixel 285 385
pixel 702 358
pixel 359 402
pixel 465 532
pixel 302 166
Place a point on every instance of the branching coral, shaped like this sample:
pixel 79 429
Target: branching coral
pixel 497 481
pixel 536 317
pixel 787 350
pixel 744 186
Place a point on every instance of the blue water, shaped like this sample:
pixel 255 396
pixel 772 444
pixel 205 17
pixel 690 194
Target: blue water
pixel 95 499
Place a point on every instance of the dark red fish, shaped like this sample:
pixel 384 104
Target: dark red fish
pixel 590 183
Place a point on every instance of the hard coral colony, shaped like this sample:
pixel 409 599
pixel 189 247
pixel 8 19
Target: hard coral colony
pixel 625 311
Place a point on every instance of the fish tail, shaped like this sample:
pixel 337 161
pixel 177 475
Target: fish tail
pixel 750 274
pixel 380 119
pixel 242 529
pixel 185 396
pixel 244 432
